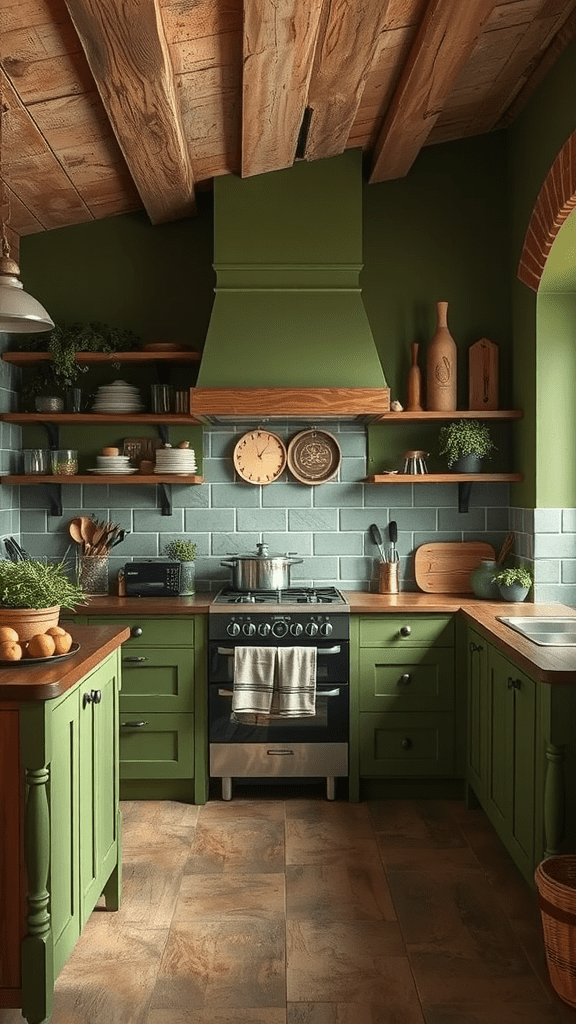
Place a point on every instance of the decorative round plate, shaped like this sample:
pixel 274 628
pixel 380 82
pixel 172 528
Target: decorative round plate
pixel 37 661
pixel 115 472
pixel 314 456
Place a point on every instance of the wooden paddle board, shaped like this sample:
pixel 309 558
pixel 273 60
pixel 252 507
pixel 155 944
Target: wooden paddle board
pixel 444 568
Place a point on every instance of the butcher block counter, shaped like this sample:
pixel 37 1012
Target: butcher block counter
pixel 20 681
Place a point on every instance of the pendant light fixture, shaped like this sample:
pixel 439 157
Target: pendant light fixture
pixel 19 312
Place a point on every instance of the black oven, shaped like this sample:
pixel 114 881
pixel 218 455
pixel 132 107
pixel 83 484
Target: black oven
pixel 270 746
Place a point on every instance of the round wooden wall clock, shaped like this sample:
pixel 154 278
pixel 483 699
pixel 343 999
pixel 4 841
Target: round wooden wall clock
pixel 259 457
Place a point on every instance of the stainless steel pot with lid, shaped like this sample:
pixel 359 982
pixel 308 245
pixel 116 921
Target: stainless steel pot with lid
pixel 261 571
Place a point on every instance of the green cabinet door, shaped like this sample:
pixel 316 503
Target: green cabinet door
pixel 157 679
pixel 409 679
pixel 406 745
pixel 511 761
pixel 98 781
pixel 477 714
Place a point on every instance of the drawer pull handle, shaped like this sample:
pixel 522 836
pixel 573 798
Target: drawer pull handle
pixel 514 684
pixel 404 679
pixel 405 631
pixel 136 631
pixel 92 697
pixel 135 660
pixel 283 753
pixel 406 744
pixel 133 725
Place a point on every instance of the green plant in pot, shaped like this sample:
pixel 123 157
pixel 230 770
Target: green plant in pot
pixel 32 594
pixel 514 582
pixel 63 343
pixel 465 443
pixel 184 551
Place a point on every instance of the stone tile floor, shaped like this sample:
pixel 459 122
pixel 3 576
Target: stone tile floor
pixel 283 908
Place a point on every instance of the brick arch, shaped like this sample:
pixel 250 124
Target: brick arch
pixel 555 202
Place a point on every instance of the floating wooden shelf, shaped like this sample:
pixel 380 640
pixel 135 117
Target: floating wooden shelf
pixel 74 418
pixel 460 414
pixel 443 478
pixel 104 478
pixel 85 358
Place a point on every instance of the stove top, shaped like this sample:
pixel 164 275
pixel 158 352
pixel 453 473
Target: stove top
pixel 294 596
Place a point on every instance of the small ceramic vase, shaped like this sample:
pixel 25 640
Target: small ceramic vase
pixel 513 592
pixel 187 579
pixel 441 365
pixel 414 403
pixel 481 580
pixel 467 464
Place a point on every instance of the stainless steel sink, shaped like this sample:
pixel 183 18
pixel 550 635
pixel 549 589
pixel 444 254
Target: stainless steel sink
pixel 547 631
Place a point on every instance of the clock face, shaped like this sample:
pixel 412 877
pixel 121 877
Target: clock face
pixel 260 457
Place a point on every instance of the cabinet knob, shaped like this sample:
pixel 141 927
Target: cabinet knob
pixel 136 631
pixel 514 684
pixel 404 679
pixel 405 630
pixel 92 697
pixel 406 744
pixel 133 725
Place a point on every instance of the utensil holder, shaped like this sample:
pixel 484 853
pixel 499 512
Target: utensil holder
pixel 388 578
pixel 93 573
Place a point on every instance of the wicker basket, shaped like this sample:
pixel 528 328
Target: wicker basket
pixel 555 880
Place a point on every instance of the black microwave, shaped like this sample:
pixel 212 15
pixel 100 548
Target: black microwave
pixel 152 579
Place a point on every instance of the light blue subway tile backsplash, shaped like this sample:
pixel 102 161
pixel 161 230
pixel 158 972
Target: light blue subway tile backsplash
pixel 326 525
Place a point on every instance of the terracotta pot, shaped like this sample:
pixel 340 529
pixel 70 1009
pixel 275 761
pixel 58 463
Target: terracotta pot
pixel 29 621
pixel 441 365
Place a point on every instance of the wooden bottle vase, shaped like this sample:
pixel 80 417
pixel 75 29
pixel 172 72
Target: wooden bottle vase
pixel 441 365
pixel 414 398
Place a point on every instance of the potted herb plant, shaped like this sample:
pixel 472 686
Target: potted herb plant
pixel 465 443
pixel 184 551
pixel 32 594
pixel 514 582
pixel 63 342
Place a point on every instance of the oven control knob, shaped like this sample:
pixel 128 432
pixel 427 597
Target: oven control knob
pixel 326 628
pixel 296 628
pixel 233 628
pixel 280 628
pixel 264 628
pixel 248 629
pixel 312 628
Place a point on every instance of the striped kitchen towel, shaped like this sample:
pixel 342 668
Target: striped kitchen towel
pixel 295 691
pixel 254 671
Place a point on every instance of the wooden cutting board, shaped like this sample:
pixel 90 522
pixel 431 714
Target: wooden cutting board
pixel 444 568
pixel 483 375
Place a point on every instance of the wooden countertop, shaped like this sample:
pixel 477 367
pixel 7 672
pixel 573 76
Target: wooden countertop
pixel 547 664
pixel 24 682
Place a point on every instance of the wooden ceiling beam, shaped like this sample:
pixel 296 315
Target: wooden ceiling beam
pixel 348 42
pixel 279 41
pixel 128 56
pixel 445 39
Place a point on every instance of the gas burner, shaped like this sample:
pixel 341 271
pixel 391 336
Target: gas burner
pixel 291 595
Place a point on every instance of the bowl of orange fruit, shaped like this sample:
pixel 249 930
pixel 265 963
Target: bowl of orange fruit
pixel 53 645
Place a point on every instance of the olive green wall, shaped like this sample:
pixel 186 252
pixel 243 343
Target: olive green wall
pixel 535 139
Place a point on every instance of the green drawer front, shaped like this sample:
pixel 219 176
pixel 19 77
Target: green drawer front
pixel 161 748
pixel 162 681
pixel 385 630
pixel 406 680
pixel 168 632
pixel 410 746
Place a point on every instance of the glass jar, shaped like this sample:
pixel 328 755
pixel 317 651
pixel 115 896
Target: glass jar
pixel 64 461
pixel 36 460
pixel 187 578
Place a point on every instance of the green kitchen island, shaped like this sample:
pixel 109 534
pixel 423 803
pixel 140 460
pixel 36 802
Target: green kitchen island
pixel 59 808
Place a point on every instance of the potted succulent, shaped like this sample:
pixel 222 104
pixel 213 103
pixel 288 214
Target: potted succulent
pixel 514 582
pixel 32 593
pixel 465 443
pixel 184 551
pixel 63 342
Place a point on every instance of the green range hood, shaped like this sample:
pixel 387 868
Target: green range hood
pixel 289 335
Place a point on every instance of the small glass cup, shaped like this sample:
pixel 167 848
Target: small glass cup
pixel 162 398
pixel 73 399
pixel 64 461
pixel 36 460
pixel 182 401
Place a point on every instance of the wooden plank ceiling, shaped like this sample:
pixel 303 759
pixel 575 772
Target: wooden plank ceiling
pixel 115 106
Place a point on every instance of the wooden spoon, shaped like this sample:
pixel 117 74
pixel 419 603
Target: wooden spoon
pixel 74 530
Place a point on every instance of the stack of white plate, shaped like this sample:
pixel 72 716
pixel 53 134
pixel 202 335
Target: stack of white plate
pixel 117 465
pixel 118 397
pixel 175 460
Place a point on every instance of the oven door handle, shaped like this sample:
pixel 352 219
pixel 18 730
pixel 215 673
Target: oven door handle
pixel 229 651
pixel 320 693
